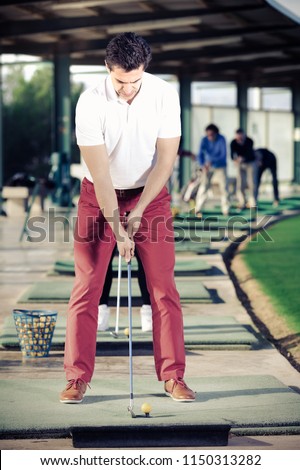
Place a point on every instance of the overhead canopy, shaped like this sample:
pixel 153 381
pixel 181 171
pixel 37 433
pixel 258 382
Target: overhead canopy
pixel 240 40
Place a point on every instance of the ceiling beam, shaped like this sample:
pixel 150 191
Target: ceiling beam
pixel 20 28
pixel 19 2
pixel 72 45
pixel 182 38
pixel 249 68
pixel 60 4
pixel 207 55
pixel 213 52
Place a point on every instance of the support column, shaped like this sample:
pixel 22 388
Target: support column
pixel 62 154
pixel 242 103
pixel 186 121
pixel 1 140
pixel 296 111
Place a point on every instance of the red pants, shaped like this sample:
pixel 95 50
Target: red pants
pixel 93 245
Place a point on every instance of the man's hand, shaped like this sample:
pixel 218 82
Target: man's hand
pixel 126 247
pixel 134 221
pixel 238 160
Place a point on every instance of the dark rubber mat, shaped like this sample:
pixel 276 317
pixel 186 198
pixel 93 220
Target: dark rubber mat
pixel 151 436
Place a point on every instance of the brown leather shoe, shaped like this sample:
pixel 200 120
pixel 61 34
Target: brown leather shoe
pixel 179 391
pixel 74 391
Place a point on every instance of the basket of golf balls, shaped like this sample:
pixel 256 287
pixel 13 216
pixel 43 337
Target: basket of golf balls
pixel 35 330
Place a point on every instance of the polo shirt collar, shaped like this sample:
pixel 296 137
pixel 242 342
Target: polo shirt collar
pixel 111 92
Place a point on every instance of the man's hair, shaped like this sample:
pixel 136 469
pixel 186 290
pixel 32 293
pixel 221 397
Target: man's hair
pixel 240 131
pixel 213 128
pixel 128 51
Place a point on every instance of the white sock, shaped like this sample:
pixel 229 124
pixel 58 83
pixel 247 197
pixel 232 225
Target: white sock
pixel 103 317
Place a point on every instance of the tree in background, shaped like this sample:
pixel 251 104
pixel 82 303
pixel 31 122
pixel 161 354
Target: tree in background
pixel 28 130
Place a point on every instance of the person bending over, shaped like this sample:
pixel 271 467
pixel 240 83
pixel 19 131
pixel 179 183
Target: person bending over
pixel 128 131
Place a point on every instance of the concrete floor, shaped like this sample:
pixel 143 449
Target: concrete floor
pixel 23 263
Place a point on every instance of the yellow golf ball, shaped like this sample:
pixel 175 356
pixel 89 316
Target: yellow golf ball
pixel 146 408
pixel 126 332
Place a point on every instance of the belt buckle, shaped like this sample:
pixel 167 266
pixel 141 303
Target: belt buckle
pixel 121 193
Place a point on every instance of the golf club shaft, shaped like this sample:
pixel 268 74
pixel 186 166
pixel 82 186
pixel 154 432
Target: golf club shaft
pixel 130 334
pixel 118 294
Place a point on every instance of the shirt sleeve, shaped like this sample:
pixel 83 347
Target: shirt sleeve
pixel 88 122
pixel 170 122
pixel 223 148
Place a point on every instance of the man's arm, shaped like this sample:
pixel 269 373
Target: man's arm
pixel 249 152
pixel 96 159
pixel 232 150
pixel 201 154
pixel 222 149
pixel 167 150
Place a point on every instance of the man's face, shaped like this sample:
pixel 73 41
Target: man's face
pixel 240 137
pixel 211 135
pixel 127 84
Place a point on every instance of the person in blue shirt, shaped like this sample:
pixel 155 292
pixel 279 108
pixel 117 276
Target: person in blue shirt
pixel 212 160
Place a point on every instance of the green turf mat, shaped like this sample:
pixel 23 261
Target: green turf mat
pixel 293 200
pixel 200 332
pixel 198 235
pixel 30 408
pixel 191 246
pixel 217 210
pixel 182 266
pixel 191 290
pixel 285 204
pixel 212 224
pixel 269 211
pixel 216 215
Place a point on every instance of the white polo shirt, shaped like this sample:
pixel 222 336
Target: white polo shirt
pixel 128 131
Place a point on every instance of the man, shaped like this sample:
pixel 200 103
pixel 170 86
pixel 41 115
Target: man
pixel 212 160
pixel 266 160
pixel 128 131
pixel 243 155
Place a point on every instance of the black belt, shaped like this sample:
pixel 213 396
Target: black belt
pixel 124 193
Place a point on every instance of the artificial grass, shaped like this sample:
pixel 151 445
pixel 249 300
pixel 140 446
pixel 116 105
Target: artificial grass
pixel 275 265
pixel 30 409
pixel 191 291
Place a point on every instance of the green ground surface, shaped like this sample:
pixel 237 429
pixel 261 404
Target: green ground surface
pixel 190 290
pixel 275 265
pixel 182 266
pixel 201 331
pixel 31 407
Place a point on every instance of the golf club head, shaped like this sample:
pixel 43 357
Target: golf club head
pixel 130 409
pixel 114 334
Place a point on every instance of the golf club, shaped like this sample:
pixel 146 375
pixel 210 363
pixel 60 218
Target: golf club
pixel 115 333
pixel 130 407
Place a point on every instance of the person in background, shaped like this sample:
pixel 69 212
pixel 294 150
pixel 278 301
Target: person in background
pixel 242 153
pixel 104 310
pixel 212 158
pixel 128 129
pixel 265 159
pixel 190 190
